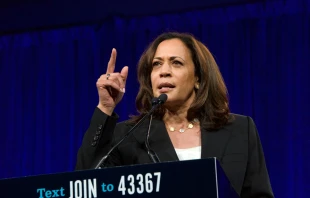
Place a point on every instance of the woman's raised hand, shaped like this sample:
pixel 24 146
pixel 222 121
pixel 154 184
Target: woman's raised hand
pixel 111 86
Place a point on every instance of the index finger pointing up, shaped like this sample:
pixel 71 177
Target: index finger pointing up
pixel 112 61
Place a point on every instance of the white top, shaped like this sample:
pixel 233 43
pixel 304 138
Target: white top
pixel 189 154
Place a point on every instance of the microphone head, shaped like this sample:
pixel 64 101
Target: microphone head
pixel 154 101
pixel 162 98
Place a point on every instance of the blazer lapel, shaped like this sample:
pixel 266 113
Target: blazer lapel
pixel 161 143
pixel 214 143
pixel 159 140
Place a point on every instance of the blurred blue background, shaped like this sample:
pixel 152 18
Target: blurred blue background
pixel 53 52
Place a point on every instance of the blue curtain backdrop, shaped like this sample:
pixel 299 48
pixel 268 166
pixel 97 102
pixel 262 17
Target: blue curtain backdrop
pixel 48 78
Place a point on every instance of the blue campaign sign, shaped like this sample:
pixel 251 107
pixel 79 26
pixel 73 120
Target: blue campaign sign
pixel 193 178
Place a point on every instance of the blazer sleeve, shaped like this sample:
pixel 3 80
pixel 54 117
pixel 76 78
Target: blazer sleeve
pixel 257 182
pixel 97 141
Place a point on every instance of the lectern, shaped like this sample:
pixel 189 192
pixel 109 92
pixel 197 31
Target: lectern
pixel 183 179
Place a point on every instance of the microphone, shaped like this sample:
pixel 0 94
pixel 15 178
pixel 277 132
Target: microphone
pixel 153 156
pixel 162 99
pixel 155 102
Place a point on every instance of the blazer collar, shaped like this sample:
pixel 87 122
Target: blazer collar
pixel 213 143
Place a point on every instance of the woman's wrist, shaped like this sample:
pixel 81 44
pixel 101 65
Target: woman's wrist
pixel 106 110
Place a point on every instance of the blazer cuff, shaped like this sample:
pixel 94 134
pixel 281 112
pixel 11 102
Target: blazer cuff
pixel 99 117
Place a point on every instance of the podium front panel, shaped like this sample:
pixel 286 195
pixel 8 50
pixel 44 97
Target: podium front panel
pixel 193 178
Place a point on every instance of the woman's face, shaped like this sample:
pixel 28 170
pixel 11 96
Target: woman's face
pixel 173 73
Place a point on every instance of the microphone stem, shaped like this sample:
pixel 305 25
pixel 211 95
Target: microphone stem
pixel 126 135
pixel 153 156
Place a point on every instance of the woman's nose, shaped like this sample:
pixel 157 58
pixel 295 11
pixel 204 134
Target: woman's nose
pixel 165 70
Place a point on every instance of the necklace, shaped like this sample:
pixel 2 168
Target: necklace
pixel 189 126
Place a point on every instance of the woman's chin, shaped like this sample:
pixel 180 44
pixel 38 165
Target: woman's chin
pixel 172 103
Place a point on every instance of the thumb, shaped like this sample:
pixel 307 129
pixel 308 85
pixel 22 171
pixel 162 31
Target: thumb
pixel 124 74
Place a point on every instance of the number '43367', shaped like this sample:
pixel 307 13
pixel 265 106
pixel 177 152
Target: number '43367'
pixel 140 183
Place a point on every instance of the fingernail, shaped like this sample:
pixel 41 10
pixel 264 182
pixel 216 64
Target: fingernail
pixel 124 89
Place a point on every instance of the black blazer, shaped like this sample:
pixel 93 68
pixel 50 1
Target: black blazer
pixel 237 146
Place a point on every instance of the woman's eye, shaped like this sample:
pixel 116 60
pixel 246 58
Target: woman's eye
pixel 177 62
pixel 156 63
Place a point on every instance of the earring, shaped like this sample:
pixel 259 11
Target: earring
pixel 197 85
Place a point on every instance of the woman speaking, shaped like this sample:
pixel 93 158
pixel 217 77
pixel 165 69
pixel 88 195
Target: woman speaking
pixel 193 123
